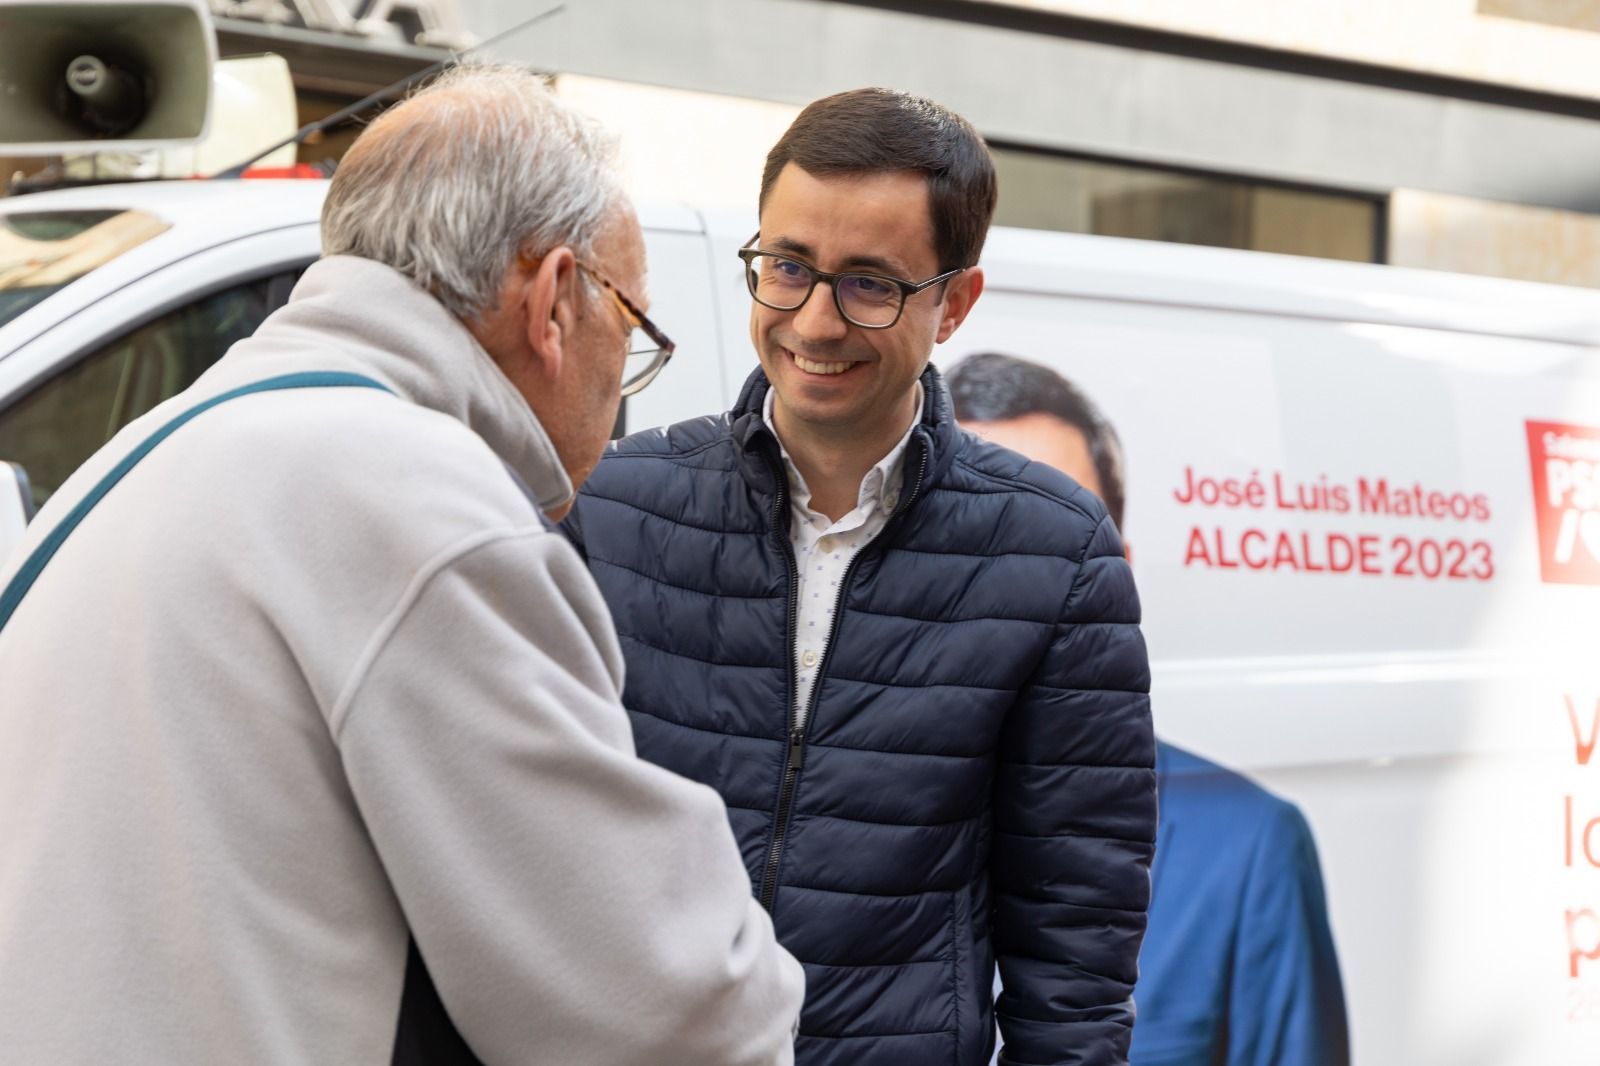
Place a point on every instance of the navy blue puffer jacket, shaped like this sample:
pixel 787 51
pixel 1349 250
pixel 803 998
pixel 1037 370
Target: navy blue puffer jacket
pixel 975 778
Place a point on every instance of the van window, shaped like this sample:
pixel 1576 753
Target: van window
pixel 59 423
pixel 42 251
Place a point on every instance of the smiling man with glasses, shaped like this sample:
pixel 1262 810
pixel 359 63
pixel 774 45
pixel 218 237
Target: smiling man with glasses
pixel 909 661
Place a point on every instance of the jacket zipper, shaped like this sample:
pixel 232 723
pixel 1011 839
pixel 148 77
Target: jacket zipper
pixel 794 758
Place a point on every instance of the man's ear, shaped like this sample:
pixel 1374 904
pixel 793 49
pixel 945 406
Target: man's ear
pixel 551 299
pixel 964 290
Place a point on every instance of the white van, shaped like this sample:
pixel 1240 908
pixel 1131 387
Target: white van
pixel 1363 507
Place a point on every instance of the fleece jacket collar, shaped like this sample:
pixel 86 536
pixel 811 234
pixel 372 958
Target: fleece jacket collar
pixel 401 335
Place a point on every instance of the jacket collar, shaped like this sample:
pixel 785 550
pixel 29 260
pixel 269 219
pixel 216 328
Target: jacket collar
pixel 361 313
pixel 928 455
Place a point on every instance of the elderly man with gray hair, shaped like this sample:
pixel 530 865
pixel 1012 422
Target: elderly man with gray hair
pixel 312 743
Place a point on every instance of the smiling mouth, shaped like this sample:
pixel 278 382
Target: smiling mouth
pixel 811 367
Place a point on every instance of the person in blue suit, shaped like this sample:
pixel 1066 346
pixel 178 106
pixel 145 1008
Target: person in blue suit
pixel 1238 966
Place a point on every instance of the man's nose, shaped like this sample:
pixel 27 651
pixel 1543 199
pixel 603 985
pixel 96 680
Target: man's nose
pixel 818 318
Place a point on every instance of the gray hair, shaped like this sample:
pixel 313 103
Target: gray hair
pixel 452 184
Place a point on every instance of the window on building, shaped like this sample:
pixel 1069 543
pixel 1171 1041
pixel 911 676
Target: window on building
pixel 1040 190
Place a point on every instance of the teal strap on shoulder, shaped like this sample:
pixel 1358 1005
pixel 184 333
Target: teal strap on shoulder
pixel 36 562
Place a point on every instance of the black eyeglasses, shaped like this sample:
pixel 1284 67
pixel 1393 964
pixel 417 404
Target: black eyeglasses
pixel 647 354
pixel 871 301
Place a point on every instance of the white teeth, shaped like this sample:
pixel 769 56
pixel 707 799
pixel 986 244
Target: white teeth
pixel 821 368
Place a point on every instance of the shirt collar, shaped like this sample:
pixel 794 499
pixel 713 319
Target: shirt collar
pixel 881 485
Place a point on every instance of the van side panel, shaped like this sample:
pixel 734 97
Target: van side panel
pixel 1369 556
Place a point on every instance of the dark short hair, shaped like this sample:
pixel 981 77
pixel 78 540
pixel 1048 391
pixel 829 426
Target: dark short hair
pixel 866 131
pixel 989 387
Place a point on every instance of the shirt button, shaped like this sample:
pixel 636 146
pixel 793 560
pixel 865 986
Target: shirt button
pixel 825 545
pixel 809 659
pixel 891 501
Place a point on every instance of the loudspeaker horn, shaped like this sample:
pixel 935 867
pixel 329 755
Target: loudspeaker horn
pixel 81 76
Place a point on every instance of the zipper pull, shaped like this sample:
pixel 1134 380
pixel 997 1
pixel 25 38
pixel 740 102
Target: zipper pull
pixel 797 749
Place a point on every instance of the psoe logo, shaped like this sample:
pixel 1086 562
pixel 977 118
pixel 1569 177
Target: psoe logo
pixel 1566 500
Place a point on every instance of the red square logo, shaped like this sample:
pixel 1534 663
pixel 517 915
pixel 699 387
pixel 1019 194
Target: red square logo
pixel 1566 500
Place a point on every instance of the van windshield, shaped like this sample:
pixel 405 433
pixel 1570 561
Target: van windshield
pixel 44 251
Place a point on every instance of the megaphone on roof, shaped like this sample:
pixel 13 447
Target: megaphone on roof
pixel 90 75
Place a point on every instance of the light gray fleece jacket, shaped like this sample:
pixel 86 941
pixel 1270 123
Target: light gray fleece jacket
pixel 314 716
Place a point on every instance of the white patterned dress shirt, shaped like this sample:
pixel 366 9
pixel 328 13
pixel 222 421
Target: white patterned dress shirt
pixel 823 550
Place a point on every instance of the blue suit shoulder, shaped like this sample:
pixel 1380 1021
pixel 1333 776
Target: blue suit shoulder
pixel 1184 773
pixel 1238 965
pixel 1230 811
